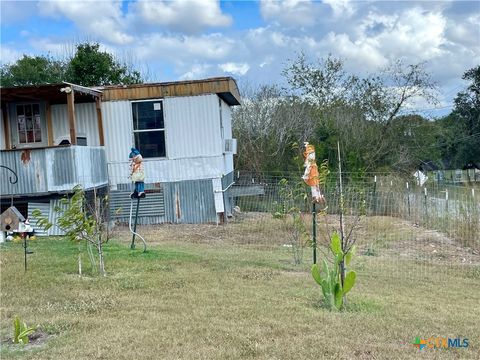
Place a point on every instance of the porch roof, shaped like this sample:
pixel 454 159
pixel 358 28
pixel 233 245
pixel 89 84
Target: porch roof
pixel 225 87
pixel 51 92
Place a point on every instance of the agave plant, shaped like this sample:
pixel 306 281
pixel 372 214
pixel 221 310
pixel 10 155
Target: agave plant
pixel 330 278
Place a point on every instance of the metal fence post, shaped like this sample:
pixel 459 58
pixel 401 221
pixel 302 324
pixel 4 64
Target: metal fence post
pixel 314 232
pixel 446 201
pixel 408 201
pixel 132 246
pixel 426 205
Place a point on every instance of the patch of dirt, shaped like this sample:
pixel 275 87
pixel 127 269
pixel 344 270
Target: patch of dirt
pixel 37 339
pixel 425 244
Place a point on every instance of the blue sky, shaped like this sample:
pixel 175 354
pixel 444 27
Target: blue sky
pixel 253 40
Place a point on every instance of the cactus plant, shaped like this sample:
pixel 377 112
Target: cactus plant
pixel 329 278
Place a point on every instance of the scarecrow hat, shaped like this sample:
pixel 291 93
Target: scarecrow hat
pixel 309 149
pixel 134 152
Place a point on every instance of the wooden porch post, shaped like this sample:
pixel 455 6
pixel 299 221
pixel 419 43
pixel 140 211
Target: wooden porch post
pixel 71 116
pixel 6 127
pixel 100 122
pixel 48 114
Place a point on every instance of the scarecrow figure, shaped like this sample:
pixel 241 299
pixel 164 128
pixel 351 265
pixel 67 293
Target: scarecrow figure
pixel 137 174
pixel 311 175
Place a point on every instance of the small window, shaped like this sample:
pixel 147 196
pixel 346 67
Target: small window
pixel 29 123
pixel 149 128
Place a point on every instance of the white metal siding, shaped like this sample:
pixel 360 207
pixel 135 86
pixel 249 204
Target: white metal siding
pixel 192 126
pixel 85 121
pixel 227 119
pixel 227 130
pixel 118 128
pixel 193 140
pixel 169 170
pixel 61 129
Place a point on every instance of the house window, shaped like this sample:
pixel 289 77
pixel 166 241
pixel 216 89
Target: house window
pixel 29 123
pixel 149 128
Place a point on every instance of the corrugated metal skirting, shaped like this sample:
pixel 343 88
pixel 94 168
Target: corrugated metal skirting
pixel 47 210
pixel 174 202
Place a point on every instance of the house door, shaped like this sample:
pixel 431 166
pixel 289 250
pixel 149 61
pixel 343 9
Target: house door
pixel 28 125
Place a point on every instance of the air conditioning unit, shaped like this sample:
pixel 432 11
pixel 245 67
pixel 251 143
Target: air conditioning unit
pixel 230 146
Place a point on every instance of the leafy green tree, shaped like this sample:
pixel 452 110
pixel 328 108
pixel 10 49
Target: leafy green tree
pixel 90 67
pixel 467 113
pixel 82 223
pixel 417 142
pixel 32 70
pixel 459 139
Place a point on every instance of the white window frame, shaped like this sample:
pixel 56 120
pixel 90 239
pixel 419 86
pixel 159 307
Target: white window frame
pixel 40 128
pixel 164 129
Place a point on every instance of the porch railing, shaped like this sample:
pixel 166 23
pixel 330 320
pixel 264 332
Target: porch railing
pixel 52 170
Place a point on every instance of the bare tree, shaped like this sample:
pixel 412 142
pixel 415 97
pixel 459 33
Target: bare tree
pixel 361 111
pixel 266 126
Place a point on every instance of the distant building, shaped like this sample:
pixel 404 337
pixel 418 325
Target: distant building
pixel 446 175
pixel 57 136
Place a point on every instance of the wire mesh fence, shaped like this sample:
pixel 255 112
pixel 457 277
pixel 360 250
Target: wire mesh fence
pixel 401 229
pixel 397 224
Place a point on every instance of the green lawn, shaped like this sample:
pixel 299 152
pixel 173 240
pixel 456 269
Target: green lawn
pixel 196 296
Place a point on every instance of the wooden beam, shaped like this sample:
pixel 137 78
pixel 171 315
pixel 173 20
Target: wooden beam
pixel 6 127
pixel 48 114
pixel 71 116
pixel 100 122
pixel 84 90
pixel 29 97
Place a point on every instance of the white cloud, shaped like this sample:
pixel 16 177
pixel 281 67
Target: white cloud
pixel 466 32
pixel 341 8
pixel 235 68
pixel 212 47
pixel 188 16
pixel 362 55
pixel 56 48
pixel 103 19
pixel 171 38
pixel 196 71
pixel 9 55
pixel 415 34
pixel 288 12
